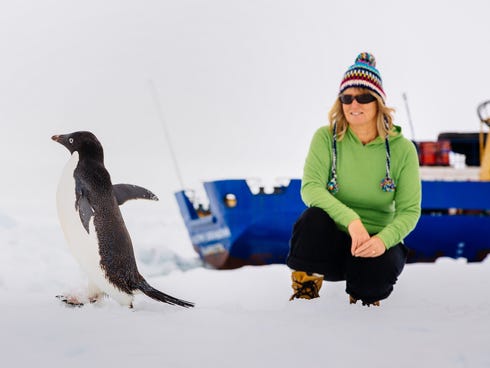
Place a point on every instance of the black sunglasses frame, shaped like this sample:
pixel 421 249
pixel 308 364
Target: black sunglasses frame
pixel 363 99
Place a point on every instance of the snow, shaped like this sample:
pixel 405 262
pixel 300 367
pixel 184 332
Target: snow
pixel 438 315
pixel 243 85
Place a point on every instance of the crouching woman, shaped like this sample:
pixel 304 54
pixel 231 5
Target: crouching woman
pixel 362 187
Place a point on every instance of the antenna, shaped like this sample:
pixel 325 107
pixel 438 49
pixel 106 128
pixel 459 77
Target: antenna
pixel 158 105
pixel 408 114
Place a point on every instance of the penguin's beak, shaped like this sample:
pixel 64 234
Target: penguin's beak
pixel 60 138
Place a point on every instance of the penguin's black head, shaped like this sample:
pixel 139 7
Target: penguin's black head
pixel 85 143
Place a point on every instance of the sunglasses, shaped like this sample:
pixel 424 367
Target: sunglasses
pixel 365 98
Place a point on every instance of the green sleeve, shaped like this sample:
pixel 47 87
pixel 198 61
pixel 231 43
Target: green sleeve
pixel 407 200
pixel 316 174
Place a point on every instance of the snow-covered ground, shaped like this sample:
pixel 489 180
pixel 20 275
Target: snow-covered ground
pixel 242 86
pixel 438 315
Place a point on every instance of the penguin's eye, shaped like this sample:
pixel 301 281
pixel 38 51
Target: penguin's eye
pixel 70 140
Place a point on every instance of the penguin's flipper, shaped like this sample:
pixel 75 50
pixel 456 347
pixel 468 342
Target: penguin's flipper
pixel 82 205
pixel 125 192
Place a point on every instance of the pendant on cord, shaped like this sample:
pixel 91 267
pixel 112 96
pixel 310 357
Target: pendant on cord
pixel 332 186
pixel 387 184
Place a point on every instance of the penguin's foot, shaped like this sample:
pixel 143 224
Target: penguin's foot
pixel 70 300
pixel 95 298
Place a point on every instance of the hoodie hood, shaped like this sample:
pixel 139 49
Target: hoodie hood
pixel 396 135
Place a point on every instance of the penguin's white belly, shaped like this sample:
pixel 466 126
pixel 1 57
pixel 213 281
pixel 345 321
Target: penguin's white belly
pixel 83 245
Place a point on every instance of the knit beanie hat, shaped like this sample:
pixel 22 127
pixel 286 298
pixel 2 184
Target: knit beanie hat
pixel 363 74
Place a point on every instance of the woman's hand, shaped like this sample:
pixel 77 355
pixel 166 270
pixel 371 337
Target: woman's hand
pixel 364 245
pixel 374 247
pixel 358 234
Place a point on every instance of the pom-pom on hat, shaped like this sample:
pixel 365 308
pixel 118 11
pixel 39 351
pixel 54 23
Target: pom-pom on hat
pixel 363 74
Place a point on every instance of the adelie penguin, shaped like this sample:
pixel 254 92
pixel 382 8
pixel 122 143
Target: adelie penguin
pixel 88 209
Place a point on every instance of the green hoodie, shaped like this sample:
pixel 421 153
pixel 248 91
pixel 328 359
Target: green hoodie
pixel 360 169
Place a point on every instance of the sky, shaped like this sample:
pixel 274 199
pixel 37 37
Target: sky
pixel 240 86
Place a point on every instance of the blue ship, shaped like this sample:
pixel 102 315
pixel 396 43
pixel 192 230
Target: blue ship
pixel 241 227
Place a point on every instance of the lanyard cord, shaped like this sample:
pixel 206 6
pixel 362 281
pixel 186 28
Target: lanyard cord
pixel 387 184
pixel 332 185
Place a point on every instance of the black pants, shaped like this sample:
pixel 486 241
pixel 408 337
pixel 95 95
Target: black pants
pixel 318 246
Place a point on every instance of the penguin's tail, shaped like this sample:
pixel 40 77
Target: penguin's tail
pixel 153 293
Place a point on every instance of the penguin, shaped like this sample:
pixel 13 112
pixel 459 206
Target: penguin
pixel 89 214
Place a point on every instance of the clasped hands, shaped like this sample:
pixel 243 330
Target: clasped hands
pixel 364 245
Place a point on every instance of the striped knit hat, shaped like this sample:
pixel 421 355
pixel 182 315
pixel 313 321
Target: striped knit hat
pixel 363 74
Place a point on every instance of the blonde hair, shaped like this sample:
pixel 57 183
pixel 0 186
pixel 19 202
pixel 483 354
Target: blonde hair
pixel 384 120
